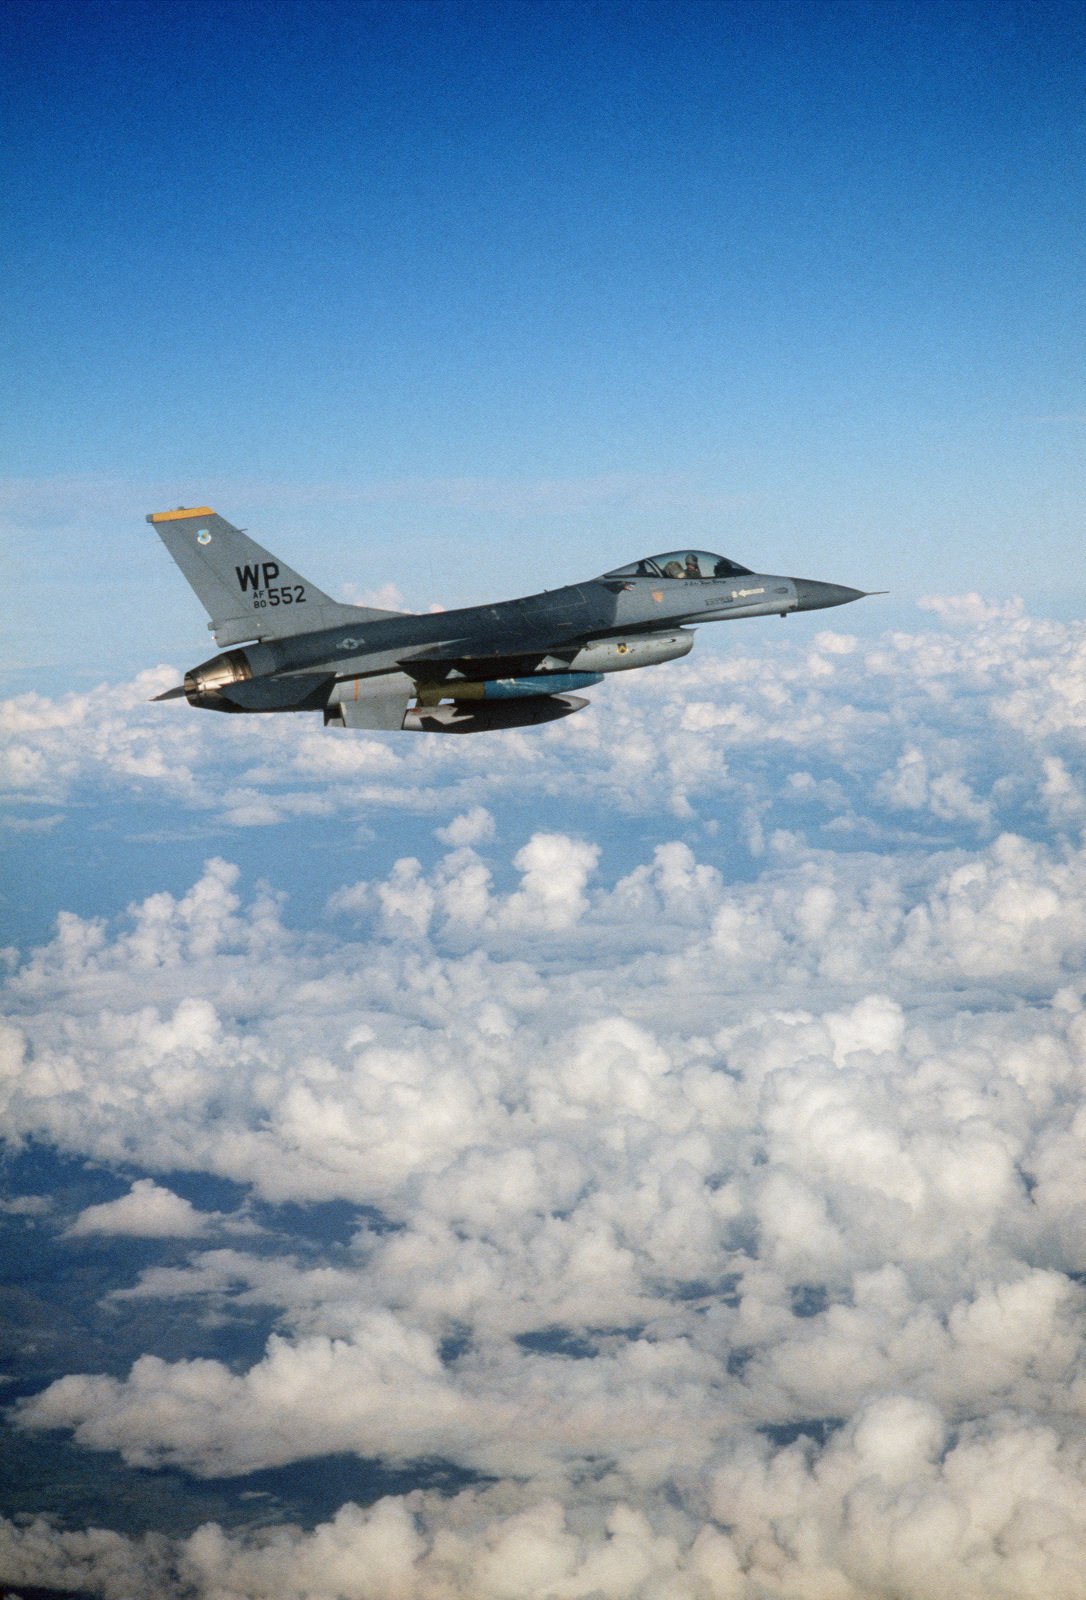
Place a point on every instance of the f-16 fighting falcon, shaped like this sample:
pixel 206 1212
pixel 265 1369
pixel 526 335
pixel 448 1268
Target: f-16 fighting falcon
pixel 466 671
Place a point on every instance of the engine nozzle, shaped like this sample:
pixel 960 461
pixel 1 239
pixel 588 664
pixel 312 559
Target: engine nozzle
pixel 204 684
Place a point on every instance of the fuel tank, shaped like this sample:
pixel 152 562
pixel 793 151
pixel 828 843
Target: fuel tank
pixel 480 716
pixel 635 650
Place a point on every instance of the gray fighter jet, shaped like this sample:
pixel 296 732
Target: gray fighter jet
pixel 466 671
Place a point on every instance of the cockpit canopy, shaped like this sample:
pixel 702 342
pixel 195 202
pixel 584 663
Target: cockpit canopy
pixel 682 564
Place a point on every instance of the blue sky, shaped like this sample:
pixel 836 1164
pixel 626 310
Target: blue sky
pixel 638 1155
pixel 522 290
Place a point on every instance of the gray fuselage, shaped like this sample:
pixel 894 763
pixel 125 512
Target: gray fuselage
pixel 553 623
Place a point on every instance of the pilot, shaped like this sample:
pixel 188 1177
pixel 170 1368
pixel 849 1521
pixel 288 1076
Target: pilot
pixel 692 568
pixel 673 569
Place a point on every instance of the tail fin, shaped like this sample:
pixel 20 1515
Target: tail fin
pixel 246 591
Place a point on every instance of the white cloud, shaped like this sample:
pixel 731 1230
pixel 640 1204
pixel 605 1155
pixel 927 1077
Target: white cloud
pixel 970 609
pixel 571 1144
pixel 406 900
pixel 384 1392
pixel 388 597
pixel 891 1507
pixel 351 900
pixel 897 1512
pixel 986 705
pixel 554 873
pixel 147 1211
pixel 469 828
pixel 681 1157
pixel 836 644
pixel 947 795
pixel 27 1205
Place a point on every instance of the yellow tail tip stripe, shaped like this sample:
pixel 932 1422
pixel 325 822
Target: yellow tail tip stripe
pixel 172 516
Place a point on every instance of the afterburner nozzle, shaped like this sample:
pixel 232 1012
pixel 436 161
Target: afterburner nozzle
pixel 204 684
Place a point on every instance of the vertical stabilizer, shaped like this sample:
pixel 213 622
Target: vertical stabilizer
pixel 247 592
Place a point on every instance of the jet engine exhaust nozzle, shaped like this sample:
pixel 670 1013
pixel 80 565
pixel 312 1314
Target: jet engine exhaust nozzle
pixel 204 684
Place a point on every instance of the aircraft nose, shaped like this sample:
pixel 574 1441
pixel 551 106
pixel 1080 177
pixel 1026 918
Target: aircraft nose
pixel 813 596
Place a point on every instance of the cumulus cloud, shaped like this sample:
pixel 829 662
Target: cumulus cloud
pixel 913 787
pixel 469 828
pixel 554 872
pixel 741 1213
pixel 971 608
pixel 724 1220
pixel 147 1211
pixel 27 1205
pixel 986 703
pixel 890 1506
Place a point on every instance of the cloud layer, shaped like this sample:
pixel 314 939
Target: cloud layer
pixel 870 739
pixel 726 1225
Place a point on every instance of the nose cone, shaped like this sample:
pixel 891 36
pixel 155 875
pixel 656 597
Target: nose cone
pixel 812 596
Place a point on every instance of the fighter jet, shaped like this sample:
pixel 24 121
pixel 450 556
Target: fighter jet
pixel 471 670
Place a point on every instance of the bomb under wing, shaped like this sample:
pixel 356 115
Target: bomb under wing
pixel 291 647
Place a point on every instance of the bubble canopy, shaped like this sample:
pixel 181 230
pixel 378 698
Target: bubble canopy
pixel 682 564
